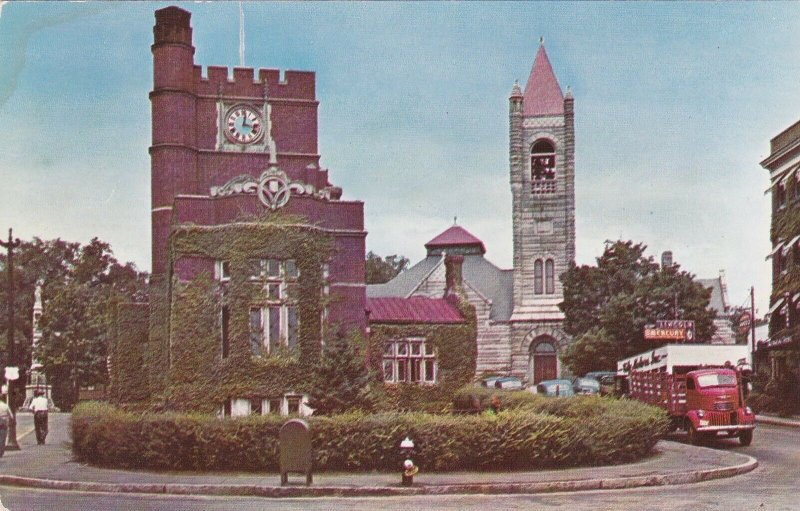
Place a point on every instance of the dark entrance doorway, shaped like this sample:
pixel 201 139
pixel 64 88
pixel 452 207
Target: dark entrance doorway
pixel 544 361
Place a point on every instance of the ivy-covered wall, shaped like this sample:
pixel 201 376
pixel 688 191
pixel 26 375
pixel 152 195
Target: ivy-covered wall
pixel 199 377
pixel 182 351
pixel 456 354
pixel 128 372
pixel 156 355
pixel 785 227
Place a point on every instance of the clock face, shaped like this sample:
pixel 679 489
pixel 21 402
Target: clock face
pixel 243 125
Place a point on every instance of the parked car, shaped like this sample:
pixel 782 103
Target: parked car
pixel 606 379
pixel 555 388
pixel 508 383
pixel 490 381
pixel 586 386
pixel 599 375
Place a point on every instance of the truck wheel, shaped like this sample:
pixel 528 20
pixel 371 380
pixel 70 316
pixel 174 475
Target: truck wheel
pixel 695 437
pixel 746 437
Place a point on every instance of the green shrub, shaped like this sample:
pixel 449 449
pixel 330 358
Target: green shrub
pixel 524 437
pixel 778 396
pixel 509 399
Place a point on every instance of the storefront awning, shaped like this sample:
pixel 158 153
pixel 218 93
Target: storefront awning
pixel 775 250
pixel 777 305
pixel 788 246
pixel 780 179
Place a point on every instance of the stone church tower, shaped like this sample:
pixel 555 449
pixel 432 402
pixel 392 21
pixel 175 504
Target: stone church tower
pixel 542 175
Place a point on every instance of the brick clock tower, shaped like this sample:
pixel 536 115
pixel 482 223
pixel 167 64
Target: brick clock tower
pixel 542 171
pixel 227 146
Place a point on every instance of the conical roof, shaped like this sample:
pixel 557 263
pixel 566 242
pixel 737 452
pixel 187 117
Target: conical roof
pixel 542 92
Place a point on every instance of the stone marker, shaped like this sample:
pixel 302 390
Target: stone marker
pixel 295 450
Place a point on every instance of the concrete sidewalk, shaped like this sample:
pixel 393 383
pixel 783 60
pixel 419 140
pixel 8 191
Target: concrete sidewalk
pixel 791 422
pixel 51 466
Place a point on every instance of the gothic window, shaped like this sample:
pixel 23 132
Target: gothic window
pixel 411 360
pixel 222 270
pixel 273 405
pixel 549 271
pixel 293 404
pixel 326 291
pixel 543 167
pixel 538 277
pixel 280 405
pixel 274 324
pixel 225 329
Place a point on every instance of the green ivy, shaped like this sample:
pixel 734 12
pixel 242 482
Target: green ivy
pixel 456 348
pixel 128 381
pixel 183 363
pixel 786 222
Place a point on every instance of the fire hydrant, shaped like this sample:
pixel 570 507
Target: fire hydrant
pixel 409 469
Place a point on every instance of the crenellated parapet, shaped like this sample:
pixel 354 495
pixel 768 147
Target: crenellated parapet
pixel 173 52
pixel 246 83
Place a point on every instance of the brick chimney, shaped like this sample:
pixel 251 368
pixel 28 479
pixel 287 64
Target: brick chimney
pixel 666 259
pixel 453 276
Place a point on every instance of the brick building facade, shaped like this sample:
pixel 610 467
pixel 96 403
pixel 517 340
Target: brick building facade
pixel 226 148
pixel 782 349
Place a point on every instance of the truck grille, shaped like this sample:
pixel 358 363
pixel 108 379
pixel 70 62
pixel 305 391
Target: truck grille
pixel 723 407
pixel 722 419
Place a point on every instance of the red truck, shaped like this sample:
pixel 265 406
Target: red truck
pixel 700 386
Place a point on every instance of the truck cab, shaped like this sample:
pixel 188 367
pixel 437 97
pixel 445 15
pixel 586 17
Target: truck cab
pixel 714 403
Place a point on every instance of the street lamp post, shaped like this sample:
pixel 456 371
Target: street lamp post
pixel 10 245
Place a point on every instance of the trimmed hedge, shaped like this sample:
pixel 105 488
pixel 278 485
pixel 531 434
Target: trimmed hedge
pixel 523 438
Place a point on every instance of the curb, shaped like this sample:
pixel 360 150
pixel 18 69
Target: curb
pixel 777 421
pixel 695 476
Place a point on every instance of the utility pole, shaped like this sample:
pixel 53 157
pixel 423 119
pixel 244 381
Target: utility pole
pixel 753 327
pixel 10 245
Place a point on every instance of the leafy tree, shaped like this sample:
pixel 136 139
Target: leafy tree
pixel 381 270
pixel 607 306
pixel 340 381
pixel 81 286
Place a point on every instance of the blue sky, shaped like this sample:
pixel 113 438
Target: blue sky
pixel 675 105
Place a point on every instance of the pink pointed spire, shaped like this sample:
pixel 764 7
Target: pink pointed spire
pixel 542 92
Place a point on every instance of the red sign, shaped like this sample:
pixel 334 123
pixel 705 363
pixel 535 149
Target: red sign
pixel 744 323
pixel 670 330
pixel 664 334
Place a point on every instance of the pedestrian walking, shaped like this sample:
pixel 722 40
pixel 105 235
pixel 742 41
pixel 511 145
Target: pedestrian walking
pixel 5 419
pixel 39 406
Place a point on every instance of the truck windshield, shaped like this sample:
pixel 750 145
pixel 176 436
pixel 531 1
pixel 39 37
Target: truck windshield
pixel 716 380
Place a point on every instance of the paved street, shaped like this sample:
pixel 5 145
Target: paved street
pixel 771 486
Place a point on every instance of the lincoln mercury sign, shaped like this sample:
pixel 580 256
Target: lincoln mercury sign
pixel 670 330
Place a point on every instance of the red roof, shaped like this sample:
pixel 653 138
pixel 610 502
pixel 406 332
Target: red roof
pixel 542 92
pixel 417 309
pixel 455 236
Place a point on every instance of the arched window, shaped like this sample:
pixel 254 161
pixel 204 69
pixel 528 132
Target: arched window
pixel 550 281
pixel 543 166
pixel 538 277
